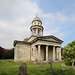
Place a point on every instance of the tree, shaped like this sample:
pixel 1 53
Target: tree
pixel 1 52
pixel 69 53
pixel 8 54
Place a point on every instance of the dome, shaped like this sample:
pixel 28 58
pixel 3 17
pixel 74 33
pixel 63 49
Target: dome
pixel 36 18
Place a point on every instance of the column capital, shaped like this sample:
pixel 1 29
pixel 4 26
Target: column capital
pixel 39 44
pixel 47 45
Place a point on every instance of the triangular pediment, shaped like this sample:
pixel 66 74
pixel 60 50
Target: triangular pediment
pixel 49 39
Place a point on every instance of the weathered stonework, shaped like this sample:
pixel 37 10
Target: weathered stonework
pixel 38 47
pixel 22 52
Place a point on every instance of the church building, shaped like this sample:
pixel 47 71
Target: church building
pixel 38 47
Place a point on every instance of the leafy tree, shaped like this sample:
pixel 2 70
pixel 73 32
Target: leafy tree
pixel 8 54
pixel 69 53
pixel 1 52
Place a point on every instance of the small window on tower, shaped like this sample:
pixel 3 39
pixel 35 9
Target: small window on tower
pixel 38 23
pixel 34 30
pixel 38 31
pixel 34 22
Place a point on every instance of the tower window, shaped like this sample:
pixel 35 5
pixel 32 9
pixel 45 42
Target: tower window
pixel 39 23
pixel 38 31
pixel 34 22
pixel 34 30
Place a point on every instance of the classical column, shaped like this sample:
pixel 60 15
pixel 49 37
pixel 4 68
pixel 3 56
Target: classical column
pixel 46 53
pixel 32 31
pixel 59 53
pixel 53 53
pixel 36 53
pixel 41 32
pixel 39 52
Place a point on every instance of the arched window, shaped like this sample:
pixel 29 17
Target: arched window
pixel 34 30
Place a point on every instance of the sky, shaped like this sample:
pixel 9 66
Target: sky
pixel 57 16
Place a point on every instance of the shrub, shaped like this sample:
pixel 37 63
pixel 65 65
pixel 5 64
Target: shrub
pixel 8 54
pixel 69 53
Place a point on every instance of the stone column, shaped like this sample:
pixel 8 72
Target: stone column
pixel 41 32
pixel 32 31
pixel 36 53
pixel 53 53
pixel 46 53
pixel 39 57
pixel 59 53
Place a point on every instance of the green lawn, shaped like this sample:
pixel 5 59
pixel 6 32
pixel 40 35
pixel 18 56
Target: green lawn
pixel 12 68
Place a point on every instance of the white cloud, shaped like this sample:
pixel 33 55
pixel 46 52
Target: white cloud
pixel 16 17
pixel 15 20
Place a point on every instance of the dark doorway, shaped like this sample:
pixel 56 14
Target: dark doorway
pixel 44 54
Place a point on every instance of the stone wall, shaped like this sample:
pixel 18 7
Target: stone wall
pixel 22 52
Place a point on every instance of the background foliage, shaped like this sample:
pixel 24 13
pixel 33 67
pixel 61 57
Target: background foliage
pixel 6 53
pixel 69 53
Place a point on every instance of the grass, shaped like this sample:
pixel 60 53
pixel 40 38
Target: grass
pixel 12 68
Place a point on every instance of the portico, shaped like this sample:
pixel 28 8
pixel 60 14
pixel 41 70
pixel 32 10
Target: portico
pixel 47 52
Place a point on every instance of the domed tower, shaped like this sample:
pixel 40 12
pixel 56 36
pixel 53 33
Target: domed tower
pixel 36 28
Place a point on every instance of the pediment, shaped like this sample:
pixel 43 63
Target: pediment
pixel 49 39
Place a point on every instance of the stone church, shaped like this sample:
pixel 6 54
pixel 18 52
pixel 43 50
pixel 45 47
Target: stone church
pixel 38 47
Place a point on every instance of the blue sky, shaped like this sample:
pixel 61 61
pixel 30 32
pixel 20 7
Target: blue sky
pixel 57 16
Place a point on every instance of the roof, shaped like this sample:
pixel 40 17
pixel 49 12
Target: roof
pixel 36 18
pixel 42 38
pixel 23 42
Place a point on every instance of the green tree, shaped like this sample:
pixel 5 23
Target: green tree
pixel 1 53
pixel 69 53
pixel 8 54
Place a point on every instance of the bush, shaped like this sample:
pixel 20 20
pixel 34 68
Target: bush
pixel 1 53
pixel 69 53
pixel 8 54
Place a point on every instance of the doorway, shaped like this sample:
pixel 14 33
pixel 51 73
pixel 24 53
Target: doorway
pixel 44 54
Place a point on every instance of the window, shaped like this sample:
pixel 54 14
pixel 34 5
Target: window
pixel 32 51
pixel 34 22
pixel 38 31
pixel 34 30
